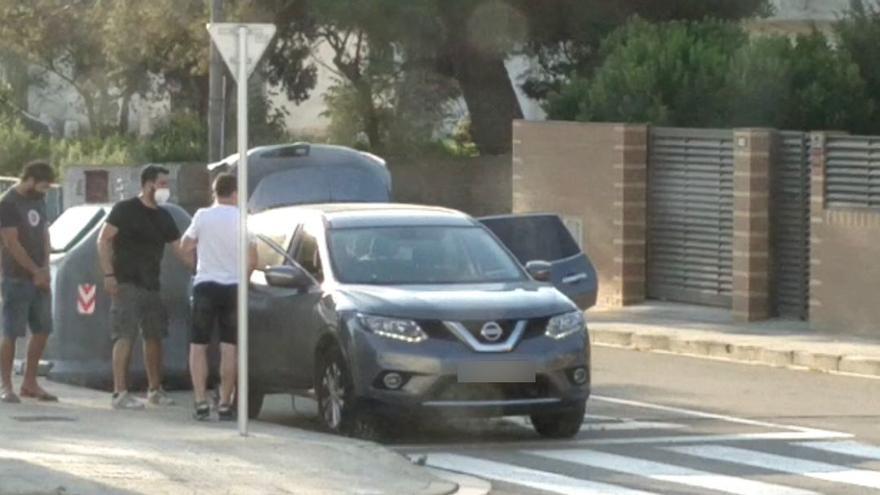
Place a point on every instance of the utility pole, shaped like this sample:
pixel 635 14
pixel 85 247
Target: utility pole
pixel 216 93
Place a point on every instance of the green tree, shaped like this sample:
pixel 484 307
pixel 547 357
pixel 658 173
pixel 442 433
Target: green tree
pixel 669 73
pixel 802 84
pixel 468 41
pixel 858 33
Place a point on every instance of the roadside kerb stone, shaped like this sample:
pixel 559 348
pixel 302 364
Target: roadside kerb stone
pixel 746 353
pixel 776 357
pixel 611 337
pixel 720 350
pixel 817 361
pixel 860 365
pixel 690 346
pixel 650 342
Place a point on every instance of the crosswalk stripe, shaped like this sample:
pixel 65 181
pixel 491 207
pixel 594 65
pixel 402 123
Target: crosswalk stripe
pixel 668 472
pixel 791 465
pixel 619 424
pixel 851 448
pixel 532 478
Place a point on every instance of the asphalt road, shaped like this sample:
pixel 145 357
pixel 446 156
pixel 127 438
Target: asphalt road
pixel 667 424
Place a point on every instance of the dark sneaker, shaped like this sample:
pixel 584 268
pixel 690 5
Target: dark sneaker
pixel 202 411
pixel 225 412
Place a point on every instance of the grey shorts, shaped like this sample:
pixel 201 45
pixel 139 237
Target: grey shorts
pixel 25 305
pixel 138 311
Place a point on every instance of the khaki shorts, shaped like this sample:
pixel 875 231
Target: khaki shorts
pixel 138 311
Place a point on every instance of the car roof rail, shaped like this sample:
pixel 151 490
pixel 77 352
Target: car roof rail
pixel 288 151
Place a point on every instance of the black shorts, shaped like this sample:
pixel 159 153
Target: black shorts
pixel 214 304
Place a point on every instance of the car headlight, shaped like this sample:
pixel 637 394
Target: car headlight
pixel 566 324
pixel 394 328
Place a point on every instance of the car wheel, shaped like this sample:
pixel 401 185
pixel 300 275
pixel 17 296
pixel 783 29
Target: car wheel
pixel 333 391
pixel 255 403
pixel 563 424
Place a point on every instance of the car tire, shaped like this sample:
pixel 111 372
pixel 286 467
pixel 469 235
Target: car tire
pixel 562 424
pixel 255 403
pixel 333 391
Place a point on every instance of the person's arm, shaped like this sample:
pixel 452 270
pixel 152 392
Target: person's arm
pixel 10 220
pixel 105 256
pixel 186 251
pixel 187 247
pixel 14 247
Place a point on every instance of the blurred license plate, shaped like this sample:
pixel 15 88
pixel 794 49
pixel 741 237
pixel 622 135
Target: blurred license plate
pixel 496 372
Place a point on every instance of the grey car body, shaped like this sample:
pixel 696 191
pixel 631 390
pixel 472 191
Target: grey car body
pixel 485 350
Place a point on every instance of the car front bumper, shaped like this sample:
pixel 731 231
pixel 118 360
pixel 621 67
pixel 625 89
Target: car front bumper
pixel 432 384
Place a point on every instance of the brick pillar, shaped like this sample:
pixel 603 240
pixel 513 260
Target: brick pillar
pixel 753 158
pixel 630 212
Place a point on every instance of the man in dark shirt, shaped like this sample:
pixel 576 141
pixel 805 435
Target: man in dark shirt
pixel 130 246
pixel 26 280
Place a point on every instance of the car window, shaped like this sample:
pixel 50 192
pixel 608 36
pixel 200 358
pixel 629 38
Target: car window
pixel 538 237
pixel 270 251
pixel 309 257
pixel 420 255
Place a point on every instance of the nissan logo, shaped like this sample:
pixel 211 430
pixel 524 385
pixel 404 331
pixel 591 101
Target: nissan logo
pixel 492 331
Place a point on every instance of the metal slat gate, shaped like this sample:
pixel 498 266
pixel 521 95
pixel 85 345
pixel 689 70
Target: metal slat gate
pixel 690 216
pixel 790 212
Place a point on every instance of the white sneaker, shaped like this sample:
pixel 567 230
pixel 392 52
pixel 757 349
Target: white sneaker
pixel 127 401
pixel 159 398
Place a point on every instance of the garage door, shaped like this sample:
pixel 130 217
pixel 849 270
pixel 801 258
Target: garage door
pixel 690 216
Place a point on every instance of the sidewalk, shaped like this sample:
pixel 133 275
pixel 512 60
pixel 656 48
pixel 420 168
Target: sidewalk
pixel 712 333
pixel 81 446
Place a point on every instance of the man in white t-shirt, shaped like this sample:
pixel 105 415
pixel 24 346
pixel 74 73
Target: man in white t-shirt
pixel 213 238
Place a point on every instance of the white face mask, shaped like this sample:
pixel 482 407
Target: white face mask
pixel 162 195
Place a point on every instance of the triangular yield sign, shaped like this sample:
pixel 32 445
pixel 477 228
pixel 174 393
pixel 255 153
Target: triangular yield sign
pixel 225 36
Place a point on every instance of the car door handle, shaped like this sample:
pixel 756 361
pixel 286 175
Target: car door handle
pixel 574 278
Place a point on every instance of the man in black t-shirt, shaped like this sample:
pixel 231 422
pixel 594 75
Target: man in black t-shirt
pixel 27 301
pixel 130 246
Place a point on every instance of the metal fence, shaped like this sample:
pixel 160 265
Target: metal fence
pixel 852 171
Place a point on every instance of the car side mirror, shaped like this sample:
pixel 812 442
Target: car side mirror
pixel 539 270
pixel 289 277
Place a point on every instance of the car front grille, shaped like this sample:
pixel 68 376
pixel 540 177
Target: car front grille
pixel 437 330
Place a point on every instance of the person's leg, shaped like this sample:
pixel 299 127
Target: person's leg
pixel 203 318
pixel 153 362
pixel 228 372
pixel 154 324
pixel 121 363
pixel 198 369
pixel 40 318
pixel 14 325
pixel 36 346
pixel 228 323
pixel 124 329
pixel 7 356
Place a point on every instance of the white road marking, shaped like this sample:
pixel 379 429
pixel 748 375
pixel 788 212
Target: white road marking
pixel 532 478
pixel 851 448
pixel 791 465
pixel 610 424
pixel 719 417
pixel 668 472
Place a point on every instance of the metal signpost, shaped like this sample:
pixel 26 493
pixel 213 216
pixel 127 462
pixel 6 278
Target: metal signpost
pixel 241 46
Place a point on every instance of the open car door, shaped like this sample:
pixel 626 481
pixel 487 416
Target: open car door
pixel 544 237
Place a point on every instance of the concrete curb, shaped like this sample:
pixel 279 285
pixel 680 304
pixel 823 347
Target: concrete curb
pixel 466 485
pixel 776 355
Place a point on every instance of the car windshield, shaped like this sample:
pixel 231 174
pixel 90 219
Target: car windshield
pixel 420 255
